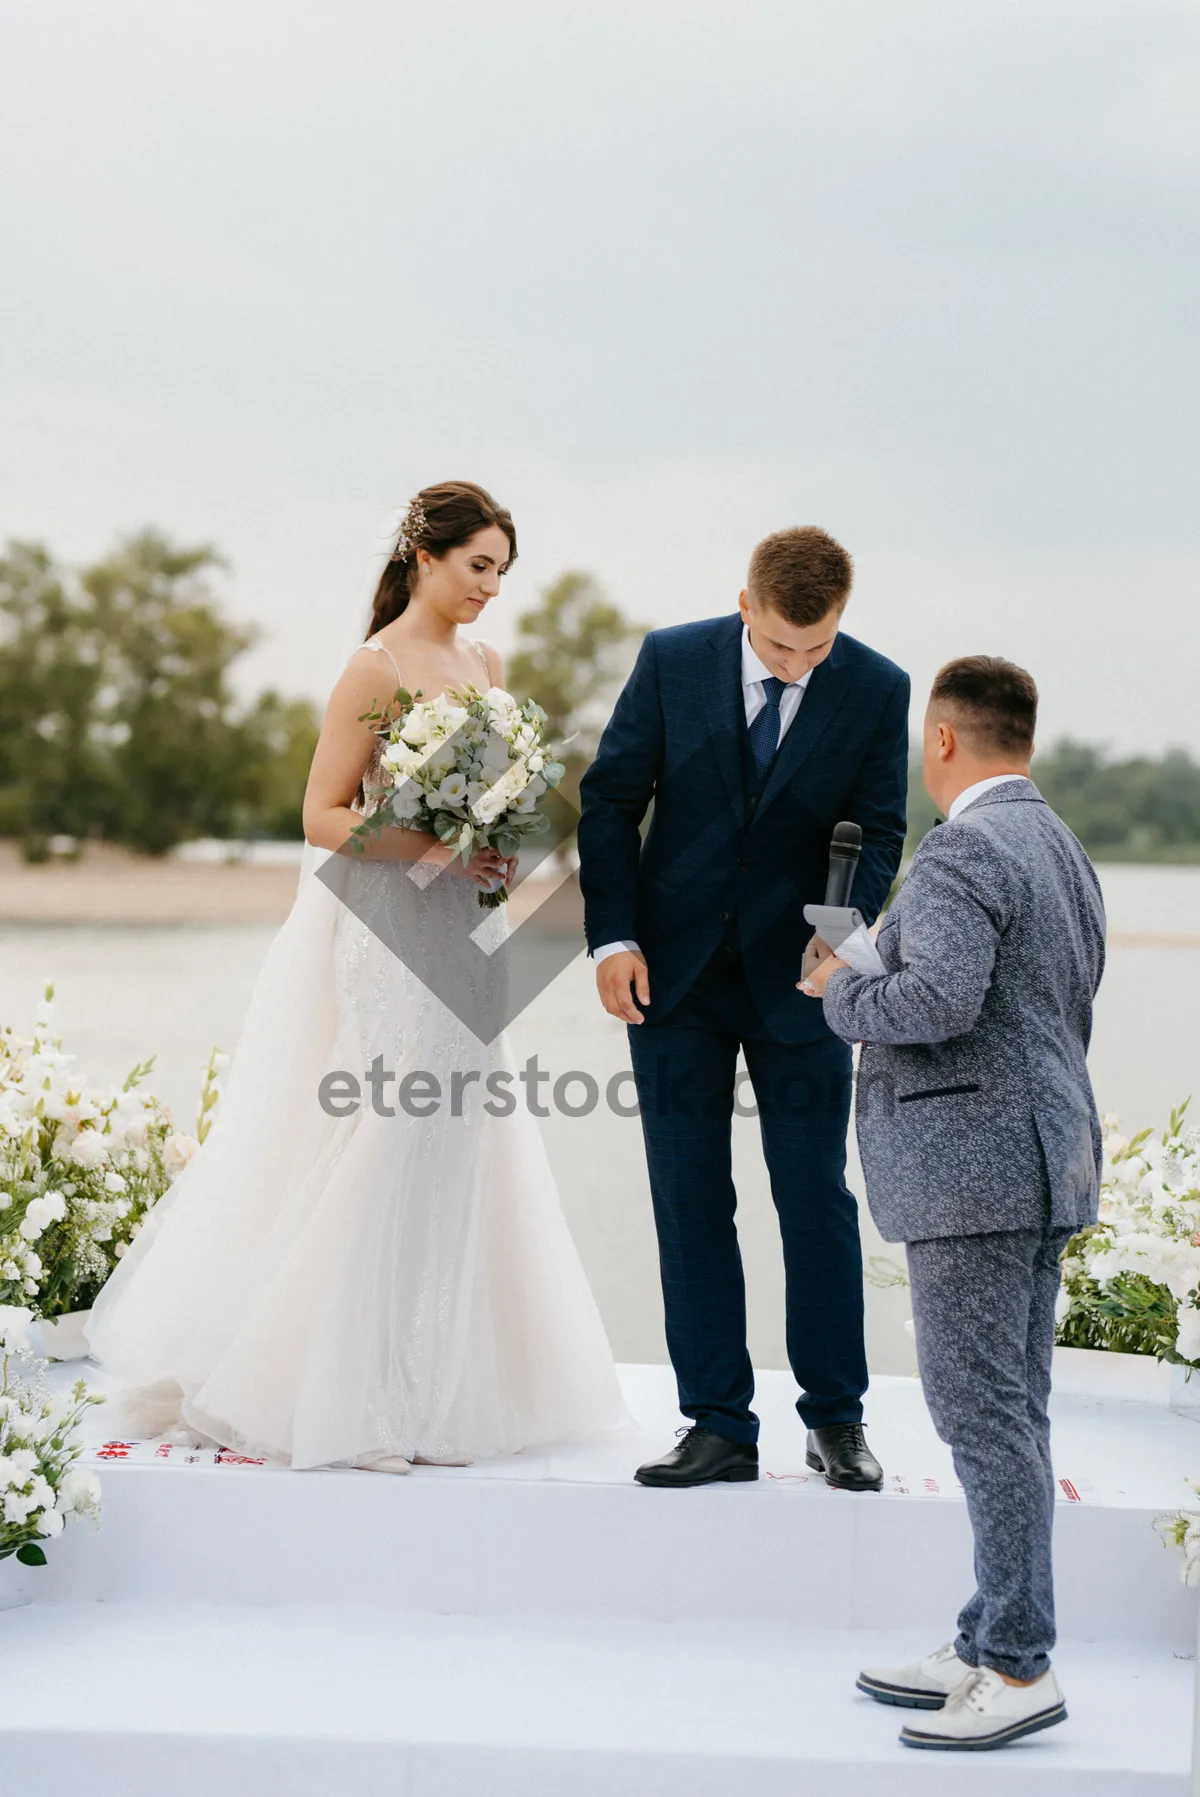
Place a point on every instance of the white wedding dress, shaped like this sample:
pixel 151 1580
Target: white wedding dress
pixel 332 1290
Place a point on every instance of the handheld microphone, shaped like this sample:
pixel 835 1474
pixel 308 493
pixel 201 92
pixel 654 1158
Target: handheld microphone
pixel 844 850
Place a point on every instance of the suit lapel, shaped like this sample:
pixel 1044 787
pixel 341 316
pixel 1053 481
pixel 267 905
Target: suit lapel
pixel 823 698
pixel 725 707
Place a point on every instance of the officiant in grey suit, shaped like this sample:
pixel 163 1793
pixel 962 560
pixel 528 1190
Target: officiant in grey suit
pixel 981 1149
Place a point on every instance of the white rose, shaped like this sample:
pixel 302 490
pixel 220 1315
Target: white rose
pixel 18 1467
pixel 177 1152
pixel 401 759
pixel 14 1320
pixel 488 808
pixel 50 1522
pixel 452 717
pixel 55 1206
pixel 89 1149
pixel 136 1130
pixel 113 1182
pixel 34 1221
pixel 407 802
pixel 78 1490
pixel 415 729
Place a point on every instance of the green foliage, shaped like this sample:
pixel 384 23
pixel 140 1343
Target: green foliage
pixel 51 664
pixel 1141 809
pixel 575 647
pixel 1129 1315
pixel 117 717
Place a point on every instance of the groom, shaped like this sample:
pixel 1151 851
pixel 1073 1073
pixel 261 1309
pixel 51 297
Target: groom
pixel 753 735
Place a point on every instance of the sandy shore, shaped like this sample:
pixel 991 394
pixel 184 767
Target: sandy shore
pixel 112 885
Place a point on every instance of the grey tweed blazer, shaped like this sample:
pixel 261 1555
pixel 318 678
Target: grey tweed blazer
pixel 974 1104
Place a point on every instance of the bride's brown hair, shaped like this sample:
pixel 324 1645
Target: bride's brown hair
pixel 440 518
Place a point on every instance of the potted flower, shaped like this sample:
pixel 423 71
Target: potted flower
pixel 41 1486
pixel 1131 1280
pixel 80 1169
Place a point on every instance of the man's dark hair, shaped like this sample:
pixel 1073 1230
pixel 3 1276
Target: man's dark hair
pixel 803 574
pixel 991 703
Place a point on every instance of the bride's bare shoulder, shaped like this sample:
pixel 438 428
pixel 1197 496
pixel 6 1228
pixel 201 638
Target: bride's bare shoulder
pixel 368 676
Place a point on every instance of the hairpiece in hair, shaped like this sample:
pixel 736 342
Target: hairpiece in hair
pixel 412 528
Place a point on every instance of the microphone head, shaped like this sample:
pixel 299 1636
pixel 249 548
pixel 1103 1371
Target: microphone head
pixel 846 840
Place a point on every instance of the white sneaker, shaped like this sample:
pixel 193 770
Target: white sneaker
pixel 984 1711
pixel 923 1686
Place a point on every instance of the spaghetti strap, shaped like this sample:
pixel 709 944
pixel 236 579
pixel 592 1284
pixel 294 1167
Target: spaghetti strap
pixel 382 649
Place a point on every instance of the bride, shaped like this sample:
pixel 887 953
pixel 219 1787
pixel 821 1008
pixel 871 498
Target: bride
pixel 392 1282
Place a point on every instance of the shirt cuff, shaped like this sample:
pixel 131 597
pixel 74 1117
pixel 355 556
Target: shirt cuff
pixel 614 948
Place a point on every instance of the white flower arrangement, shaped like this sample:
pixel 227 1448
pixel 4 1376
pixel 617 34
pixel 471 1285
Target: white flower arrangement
pixel 80 1167
pixel 1181 1529
pixel 41 1487
pixel 467 767
pixel 1131 1281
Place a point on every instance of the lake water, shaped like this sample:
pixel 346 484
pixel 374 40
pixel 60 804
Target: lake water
pixel 176 991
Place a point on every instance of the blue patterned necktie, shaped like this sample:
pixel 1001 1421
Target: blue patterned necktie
pixel 764 731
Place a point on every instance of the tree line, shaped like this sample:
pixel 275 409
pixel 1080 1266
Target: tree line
pixel 1141 808
pixel 118 719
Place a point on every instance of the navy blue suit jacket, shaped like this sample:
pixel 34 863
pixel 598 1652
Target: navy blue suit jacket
pixel 675 738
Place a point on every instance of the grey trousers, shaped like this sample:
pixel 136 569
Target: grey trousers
pixel 983 1309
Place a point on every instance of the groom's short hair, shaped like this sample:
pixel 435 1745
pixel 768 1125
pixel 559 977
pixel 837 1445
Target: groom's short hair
pixel 803 574
pixel 992 703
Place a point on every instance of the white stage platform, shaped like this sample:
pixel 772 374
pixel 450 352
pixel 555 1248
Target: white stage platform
pixel 543 1625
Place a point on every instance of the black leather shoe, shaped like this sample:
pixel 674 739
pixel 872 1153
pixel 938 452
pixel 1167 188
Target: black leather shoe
pixel 701 1459
pixel 840 1451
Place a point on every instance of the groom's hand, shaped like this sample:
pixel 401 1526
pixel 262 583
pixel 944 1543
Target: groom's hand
pixel 614 977
pixel 814 954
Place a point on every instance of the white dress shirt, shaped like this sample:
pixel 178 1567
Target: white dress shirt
pixel 753 698
pixel 969 794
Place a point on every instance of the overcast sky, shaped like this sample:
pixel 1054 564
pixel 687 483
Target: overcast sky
pixel 664 276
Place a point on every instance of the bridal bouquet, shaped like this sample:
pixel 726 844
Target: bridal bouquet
pixel 1131 1281
pixel 41 1488
pixel 80 1167
pixel 468 767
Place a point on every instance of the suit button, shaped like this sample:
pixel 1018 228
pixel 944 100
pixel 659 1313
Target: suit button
pixel 743 864
pixel 724 917
pixel 754 798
